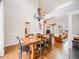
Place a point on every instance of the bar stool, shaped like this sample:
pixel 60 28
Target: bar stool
pixel 23 48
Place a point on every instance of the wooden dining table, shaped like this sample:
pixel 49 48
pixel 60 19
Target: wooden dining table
pixel 32 42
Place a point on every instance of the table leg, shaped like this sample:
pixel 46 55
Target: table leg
pixel 33 51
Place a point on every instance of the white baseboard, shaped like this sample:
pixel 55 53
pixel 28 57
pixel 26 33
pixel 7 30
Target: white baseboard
pixel 1 47
pixel 10 39
pixel 10 43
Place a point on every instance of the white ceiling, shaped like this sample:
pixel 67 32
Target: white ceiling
pixel 49 5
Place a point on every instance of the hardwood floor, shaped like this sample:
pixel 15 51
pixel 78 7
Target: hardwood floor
pixel 1 57
pixel 11 52
pixel 58 51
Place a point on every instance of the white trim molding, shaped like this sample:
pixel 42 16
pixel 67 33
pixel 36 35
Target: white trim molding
pixel 10 38
pixel 69 8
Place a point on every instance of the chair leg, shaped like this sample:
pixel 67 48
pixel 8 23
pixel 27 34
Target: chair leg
pixel 40 52
pixel 20 54
pixel 29 54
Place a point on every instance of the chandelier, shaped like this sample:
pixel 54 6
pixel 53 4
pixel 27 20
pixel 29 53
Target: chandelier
pixel 39 13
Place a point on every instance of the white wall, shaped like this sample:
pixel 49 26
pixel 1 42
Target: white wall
pixel 75 24
pixel 16 11
pixel 1 30
pixel 49 5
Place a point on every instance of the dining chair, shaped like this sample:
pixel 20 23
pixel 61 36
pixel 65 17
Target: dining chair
pixel 23 48
pixel 31 35
pixel 48 41
pixel 27 35
pixel 40 47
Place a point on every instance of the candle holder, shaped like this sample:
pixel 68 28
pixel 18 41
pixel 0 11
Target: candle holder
pixel 26 28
